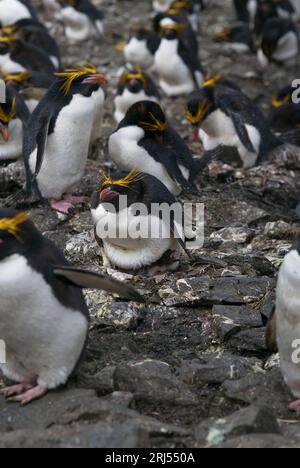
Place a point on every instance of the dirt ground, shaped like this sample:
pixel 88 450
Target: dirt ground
pixel 189 369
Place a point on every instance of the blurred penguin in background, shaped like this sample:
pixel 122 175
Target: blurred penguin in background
pixel 141 47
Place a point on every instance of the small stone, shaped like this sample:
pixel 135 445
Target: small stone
pixel 121 314
pixel 279 230
pixel 235 235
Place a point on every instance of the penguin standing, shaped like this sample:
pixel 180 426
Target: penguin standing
pixel 177 65
pixel 44 321
pixel 15 10
pixel 82 20
pixel 113 209
pixel 226 117
pixel 134 86
pixel 287 320
pixel 280 43
pixel 58 134
pixel 141 47
pixel 14 114
pixel 146 142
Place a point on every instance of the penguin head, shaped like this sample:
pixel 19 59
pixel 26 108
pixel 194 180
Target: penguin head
pixel 6 43
pixel 170 29
pixel 17 80
pixel 149 116
pixel 82 80
pixel 284 96
pixel 272 33
pixel 134 81
pixel 17 233
pixel 113 188
pixel 200 105
pixel 8 111
pixel 139 32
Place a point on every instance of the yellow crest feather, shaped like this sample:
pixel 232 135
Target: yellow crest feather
pixel 212 81
pixel 11 225
pixel 9 40
pixel 137 75
pixel 18 77
pixel 7 117
pixel 72 74
pixel 131 178
pixel 156 126
pixel 179 27
pixel 195 119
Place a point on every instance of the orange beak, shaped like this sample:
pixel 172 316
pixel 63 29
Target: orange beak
pixel 96 79
pixel 196 134
pixel 5 133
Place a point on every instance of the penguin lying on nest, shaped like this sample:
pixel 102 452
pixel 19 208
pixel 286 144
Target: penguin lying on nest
pixel 45 320
pixel 146 142
pixel 159 249
pixel 134 86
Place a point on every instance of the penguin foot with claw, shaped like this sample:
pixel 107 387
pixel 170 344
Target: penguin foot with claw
pixel 30 395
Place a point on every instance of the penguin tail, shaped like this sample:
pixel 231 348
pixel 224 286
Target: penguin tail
pixel 292 137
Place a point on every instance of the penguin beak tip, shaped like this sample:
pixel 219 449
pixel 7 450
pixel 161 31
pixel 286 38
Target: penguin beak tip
pixel 5 133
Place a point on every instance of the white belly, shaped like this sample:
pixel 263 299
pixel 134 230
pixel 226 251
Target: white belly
pixel 288 319
pixel 13 148
pixel 99 98
pixel 126 100
pixel 288 48
pixel 78 26
pixel 66 149
pixel 137 53
pixel 43 338
pixel 127 155
pixel 12 11
pixel 8 66
pixel 174 76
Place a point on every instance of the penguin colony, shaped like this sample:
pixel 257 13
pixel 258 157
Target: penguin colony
pixel 53 117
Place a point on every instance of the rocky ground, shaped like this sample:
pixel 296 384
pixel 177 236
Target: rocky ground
pixel 189 369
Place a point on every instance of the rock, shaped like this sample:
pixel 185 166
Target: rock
pixel 80 246
pixel 253 341
pixel 121 314
pixel 279 230
pixel 230 320
pixel 235 235
pixel 270 441
pixel 251 420
pixel 154 381
pixel 102 382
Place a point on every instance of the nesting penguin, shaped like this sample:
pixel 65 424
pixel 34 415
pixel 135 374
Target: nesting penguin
pixel 238 39
pixel 146 142
pixel 280 43
pixel 134 86
pixel 177 65
pixel 227 117
pixel 82 20
pixel 286 320
pixel 141 47
pixel 58 135
pixel 44 321
pixel 137 237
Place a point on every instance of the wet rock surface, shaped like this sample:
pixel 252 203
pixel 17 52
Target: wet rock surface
pixel 190 368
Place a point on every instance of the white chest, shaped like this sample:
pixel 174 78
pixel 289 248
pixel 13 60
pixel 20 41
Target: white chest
pixel 124 101
pixel 7 65
pixel 288 47
pixel 12 11
pixel 169 64
pixel 13 148
pixel 136 52
pixel 78 25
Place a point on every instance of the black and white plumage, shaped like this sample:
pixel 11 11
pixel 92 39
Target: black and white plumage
pixel 269 9
pixel 82 20
pixel 141 47
pixel 280 42
pixel 12 11
pixel 187 35
pixel 44 319
pixel 238 39
pixel 146 142
pixel 177 64
pixel 246 10
pixel 58 135
pixel 134 86
pixel 163 239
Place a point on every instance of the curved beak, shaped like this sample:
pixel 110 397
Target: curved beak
pixel 106 195
pixel 96 79
pixel 4 132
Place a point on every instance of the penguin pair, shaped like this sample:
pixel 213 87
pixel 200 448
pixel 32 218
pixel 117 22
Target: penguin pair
pixel 283 331
pixel 14 115
pixel 141 47
pixel 58 135
pixel 225 116
pixel 122 204
pixel 280 43
pixel 82 20
pixel 12 11
pixel 177 64
pixel 239 39
pixel 17 56
pixel 145 141
pixel 44 319
pixel 134 86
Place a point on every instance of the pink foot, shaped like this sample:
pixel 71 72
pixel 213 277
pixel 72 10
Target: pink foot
pixel 74 200
pixel 61 206
pixel 15 389
pixel 30 395
pixel 295 406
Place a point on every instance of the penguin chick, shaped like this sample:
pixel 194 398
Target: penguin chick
pixel 18 56
pixel 141 47
pixel 238 39
pixel 280 42
pixel 15 10
pixel 14 114
pixel 44 317
pixel 285 118
pixel 125 204
pixel 134 86
pixel 82 20
pixel 226 117
pixel 145 141
pixel 178 67
pixel 58 134
pixel 287 320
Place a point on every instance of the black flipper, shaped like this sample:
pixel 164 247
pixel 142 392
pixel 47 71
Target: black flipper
pixel 87 279
pixel 41 144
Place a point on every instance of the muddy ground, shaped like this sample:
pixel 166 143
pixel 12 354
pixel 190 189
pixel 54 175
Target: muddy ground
pixel 189 369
